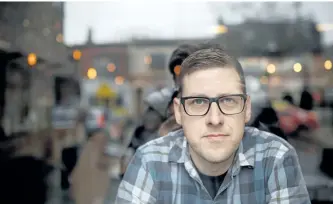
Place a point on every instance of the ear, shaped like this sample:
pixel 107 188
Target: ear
pixel 177 106
pixel 248 109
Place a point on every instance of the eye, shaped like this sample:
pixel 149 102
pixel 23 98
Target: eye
pixel 198 101
pixel 228 100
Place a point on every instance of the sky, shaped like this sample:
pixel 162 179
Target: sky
pixel 114 21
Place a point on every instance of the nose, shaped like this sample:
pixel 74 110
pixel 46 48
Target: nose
pixel 214 115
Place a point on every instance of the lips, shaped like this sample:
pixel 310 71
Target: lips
pixel 215 135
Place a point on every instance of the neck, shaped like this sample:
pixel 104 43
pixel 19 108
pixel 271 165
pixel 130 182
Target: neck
pixel 211 168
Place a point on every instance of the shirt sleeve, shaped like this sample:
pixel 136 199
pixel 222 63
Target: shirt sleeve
pixel 286 184
pixel 137 186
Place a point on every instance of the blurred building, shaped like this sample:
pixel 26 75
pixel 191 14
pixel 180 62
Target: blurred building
pixel 30 27
pixel 323 65
pixel 31 44
pixel 259 38
pixel 139 65
pixel 149 60
pixel 103 65
pixel 109 60
pixel 283 56
pixel 288 51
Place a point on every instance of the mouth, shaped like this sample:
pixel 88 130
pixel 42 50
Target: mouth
pixel 215 135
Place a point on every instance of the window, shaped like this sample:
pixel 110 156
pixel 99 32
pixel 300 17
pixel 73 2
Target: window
pixel 57 4
pixel 249 35
pixel 101 64
pixel 158 61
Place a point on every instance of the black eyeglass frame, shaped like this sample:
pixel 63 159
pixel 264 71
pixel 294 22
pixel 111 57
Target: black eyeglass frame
pixel 212 100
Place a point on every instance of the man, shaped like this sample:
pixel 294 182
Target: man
pixel 268 120
pixel 213 158
pixel 148 130
pixel 154 116
pixel 306 101
pixel 176 59
pixel 170 123
pixel 287 97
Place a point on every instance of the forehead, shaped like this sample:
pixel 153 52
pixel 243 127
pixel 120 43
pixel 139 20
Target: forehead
pixel 212 82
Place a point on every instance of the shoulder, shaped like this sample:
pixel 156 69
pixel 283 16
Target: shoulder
pixel 158 150
pixel 155 156
pixel 266 147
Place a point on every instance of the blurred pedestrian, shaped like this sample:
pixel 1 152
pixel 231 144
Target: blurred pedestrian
pixel 154 116
pixel 176 59
pixel 24 169
pixel 306 102
pixel 288 98
pixel 268 120
pixel 89 179
pixel 170 123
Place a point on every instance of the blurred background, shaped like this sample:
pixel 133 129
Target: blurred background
pixel 71 68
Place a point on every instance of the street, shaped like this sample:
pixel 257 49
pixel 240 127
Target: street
pixel 309 150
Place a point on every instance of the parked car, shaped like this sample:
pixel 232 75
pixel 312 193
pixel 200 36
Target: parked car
pixel 293 120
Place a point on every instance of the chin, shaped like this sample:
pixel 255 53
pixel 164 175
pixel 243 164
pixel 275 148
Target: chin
pixel 217 159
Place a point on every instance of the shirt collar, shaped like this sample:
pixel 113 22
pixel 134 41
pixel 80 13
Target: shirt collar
pixel 178 148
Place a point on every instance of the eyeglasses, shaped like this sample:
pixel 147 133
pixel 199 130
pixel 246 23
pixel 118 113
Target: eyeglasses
pixel 228 104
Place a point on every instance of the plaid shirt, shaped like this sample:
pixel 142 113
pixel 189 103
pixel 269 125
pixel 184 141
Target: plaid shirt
pixel 266 170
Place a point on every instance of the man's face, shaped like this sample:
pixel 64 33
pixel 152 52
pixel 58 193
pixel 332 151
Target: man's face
pixel 214 136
